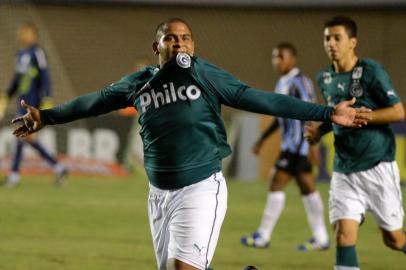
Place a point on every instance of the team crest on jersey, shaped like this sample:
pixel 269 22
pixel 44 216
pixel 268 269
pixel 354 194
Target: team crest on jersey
pixel 183 60
pixel 327 77
pixel 357 73
pixel 356 89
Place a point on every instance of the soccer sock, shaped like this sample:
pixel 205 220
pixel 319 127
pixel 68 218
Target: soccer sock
pixel 404 249
pixel 273 209
pixel 314 210
pixel 17 157
pixel 58 168
pixel 346 258
pixel 44 154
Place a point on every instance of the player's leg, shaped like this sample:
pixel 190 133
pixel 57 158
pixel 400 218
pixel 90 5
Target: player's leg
pixel 346 231
pixel 195 223
pixel 395 240
pixel 59 170
pixel 314 211
pixel 13 177
pixel 386 203
pixel 173 264
pixel 347 205
pixel 185 223
pixel 274 204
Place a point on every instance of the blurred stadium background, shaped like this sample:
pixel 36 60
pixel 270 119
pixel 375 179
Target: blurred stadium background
pixel 98 221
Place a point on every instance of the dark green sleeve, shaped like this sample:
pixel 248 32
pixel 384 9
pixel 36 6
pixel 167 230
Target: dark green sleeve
pixel 263 102
pixel 232 92
pixel 382 87
pixel 113 97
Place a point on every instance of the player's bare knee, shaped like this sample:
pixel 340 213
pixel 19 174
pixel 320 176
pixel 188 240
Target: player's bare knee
pixel 345 239
pixel 394 243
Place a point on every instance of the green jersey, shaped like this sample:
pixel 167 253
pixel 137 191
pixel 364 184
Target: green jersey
pixel 360 149
pixel 179 108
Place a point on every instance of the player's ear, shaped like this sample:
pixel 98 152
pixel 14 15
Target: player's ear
pixel 155 47
pixel 353 41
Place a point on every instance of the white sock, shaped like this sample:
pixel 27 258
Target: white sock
pixel 13 177
pixel 314 210
pixel 273 209
pixel 339 267
pixel 58 168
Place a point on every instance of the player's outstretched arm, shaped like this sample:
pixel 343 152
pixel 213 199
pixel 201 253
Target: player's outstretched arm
pixel 28 123
pixel 263 102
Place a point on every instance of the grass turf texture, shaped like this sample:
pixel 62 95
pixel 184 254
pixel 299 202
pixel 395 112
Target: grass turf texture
pixel 96 223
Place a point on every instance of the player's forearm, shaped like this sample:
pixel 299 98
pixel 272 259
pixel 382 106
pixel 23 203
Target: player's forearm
pixel 258 101
pixel 78 108
pixel 271 129
pixel 395 113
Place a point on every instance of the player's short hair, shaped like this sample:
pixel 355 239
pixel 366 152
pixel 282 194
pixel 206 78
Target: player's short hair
pixel 161 28
pixel 31 26
pixel 287 46
pixel 348 23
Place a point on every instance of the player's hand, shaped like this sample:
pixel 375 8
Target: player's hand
pixel 363 116
pixel 29 122
pixel 345 115
pixel 256 148
pixel 312 133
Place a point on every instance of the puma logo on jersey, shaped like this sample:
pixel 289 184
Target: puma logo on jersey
pixel 341 86
pixel 391 93
pixel 168 95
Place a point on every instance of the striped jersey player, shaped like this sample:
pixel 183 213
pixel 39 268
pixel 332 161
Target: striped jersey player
pixel 295 159
pixel 179 104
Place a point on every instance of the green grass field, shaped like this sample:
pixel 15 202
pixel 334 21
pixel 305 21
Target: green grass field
pixel 96 223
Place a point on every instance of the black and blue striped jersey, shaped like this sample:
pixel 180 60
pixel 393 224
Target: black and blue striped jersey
pixel 294 84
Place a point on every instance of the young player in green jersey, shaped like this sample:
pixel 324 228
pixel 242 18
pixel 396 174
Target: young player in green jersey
pixel 179 104
pixel 365 176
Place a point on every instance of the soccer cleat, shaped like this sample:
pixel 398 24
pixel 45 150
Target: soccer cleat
pixel 60 177
pixel 255 240
pixel 311 245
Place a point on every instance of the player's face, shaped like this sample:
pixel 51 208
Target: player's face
pixel 177 38
pixel 283 60
pixel 26 36
pixel 338 44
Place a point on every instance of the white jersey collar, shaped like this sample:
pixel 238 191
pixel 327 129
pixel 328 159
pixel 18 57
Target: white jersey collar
pixel 292 73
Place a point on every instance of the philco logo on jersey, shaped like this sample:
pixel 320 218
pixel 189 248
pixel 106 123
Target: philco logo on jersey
pixel 168 95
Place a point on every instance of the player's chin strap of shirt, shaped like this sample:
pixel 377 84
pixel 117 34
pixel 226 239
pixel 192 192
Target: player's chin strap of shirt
pixel 355 85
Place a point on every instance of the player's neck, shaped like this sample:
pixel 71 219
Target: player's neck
pixel 346 64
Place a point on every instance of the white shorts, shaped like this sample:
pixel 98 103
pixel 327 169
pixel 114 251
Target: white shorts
pixel 185 223
pixel 376 190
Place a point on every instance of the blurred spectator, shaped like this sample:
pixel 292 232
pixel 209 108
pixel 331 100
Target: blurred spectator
pixel 31 82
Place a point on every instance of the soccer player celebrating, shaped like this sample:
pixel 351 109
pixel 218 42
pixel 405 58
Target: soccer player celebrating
pixel 294 159
pixel 365 176
pixel 184 139
pixel 31 83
